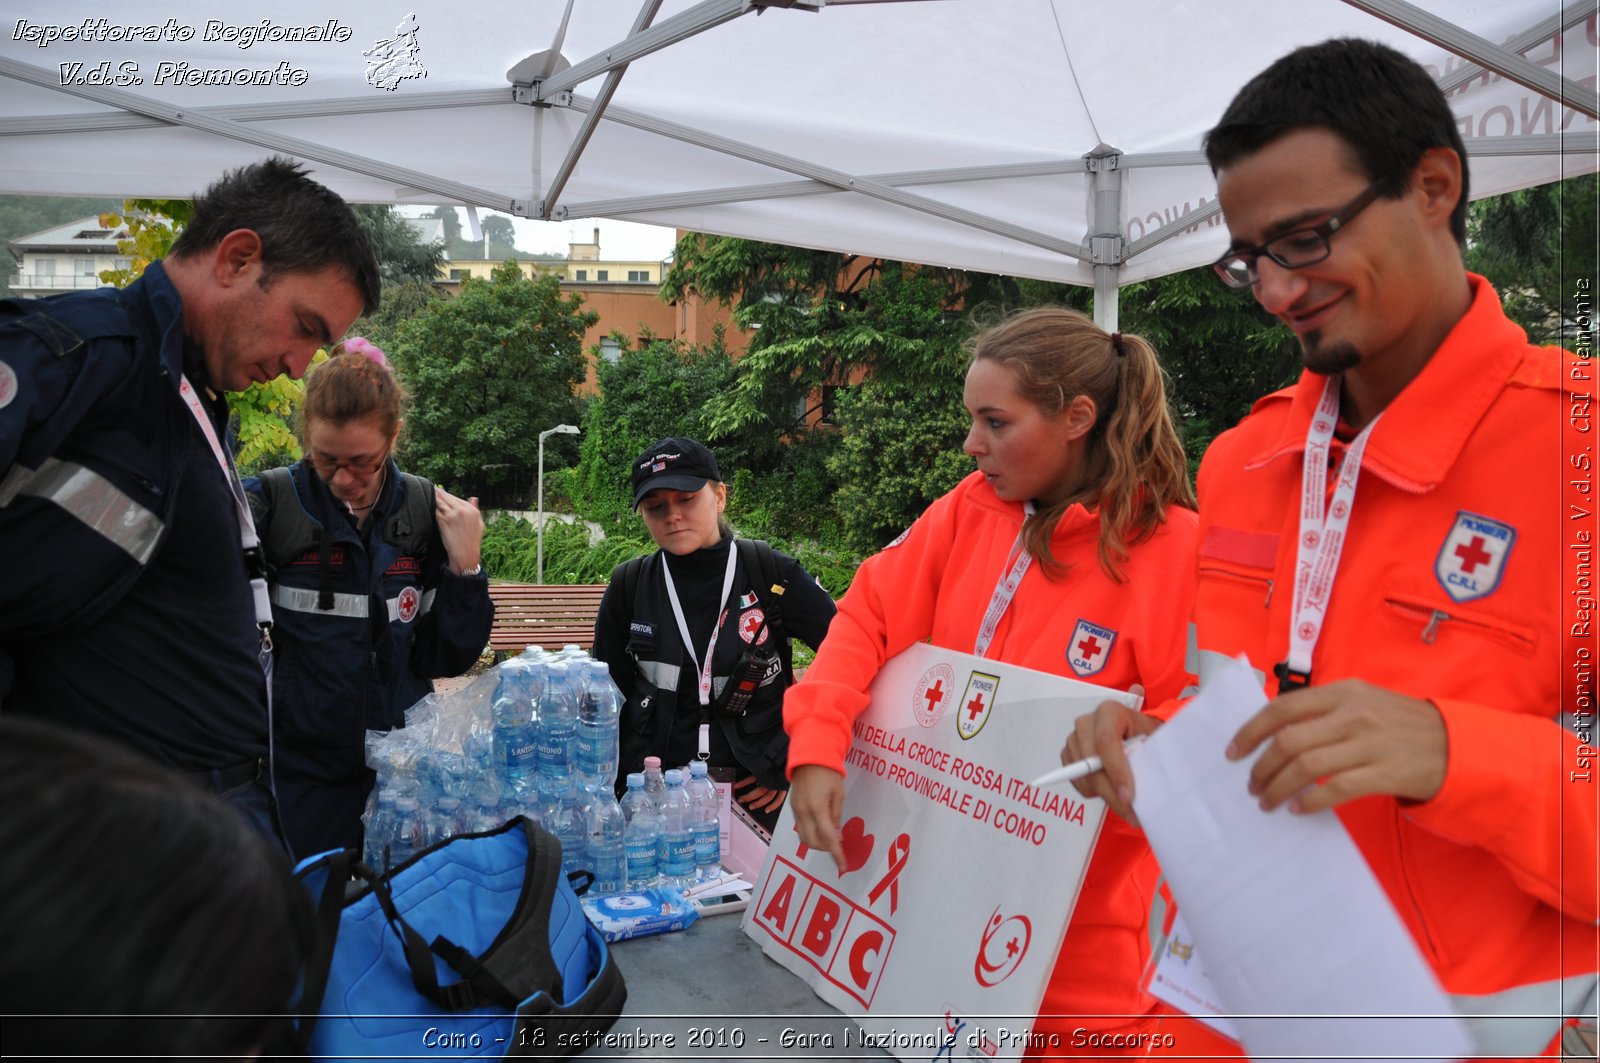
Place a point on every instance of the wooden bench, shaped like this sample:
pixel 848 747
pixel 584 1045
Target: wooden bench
pixel 548 615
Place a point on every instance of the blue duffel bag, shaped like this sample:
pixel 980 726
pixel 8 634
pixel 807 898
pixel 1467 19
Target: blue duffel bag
pixel 476 945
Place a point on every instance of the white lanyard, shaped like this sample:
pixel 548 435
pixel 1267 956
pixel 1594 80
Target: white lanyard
pixel 251 546
pixel 704 670
pixel 247 524
pixel 1322 534
pixel 1005 590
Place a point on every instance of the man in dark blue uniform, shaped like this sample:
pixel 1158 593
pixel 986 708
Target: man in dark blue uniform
pixel 126 607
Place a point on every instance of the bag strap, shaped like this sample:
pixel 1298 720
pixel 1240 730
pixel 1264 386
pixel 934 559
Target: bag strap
pixel 485 978
pixel 631 570
pixel 411 527
pixel 759 559
pixel 329 908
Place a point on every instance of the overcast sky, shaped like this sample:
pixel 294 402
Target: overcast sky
pixel 618 239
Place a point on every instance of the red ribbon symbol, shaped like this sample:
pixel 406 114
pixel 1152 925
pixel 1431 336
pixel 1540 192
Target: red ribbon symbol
pixel 897 863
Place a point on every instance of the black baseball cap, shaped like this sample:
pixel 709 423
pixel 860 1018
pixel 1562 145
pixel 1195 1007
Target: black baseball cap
pixel 676 463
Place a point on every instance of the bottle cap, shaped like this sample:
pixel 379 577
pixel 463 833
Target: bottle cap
pixel 652 764
pixel 635 779
pixel 674 777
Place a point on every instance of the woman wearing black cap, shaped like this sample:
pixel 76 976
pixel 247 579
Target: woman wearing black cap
pixel 698 632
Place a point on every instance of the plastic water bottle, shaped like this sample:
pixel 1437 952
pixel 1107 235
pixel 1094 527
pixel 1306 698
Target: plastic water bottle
pixel 703 823
pixel 445 820
pixel 514 737
pixel 639 839
pixel 564 817
pixel 558 729
pixel 599 715
pixel 380 828
pixel 654 783
pixel 409 837
pixel 487 813
pixel 607 829
pixel 675 851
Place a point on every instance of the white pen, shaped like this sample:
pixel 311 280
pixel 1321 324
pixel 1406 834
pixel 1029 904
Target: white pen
pixel 1080 768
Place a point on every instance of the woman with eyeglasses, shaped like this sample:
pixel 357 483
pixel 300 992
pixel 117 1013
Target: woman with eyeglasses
pixel 376 590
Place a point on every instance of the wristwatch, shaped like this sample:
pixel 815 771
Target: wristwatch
pixel 475 570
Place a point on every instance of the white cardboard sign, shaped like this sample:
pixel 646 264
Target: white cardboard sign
pixel 940 934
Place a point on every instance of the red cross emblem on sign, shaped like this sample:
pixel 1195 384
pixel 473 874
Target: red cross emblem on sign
pixel 979 698
pixel 929 698
pixel 1090 647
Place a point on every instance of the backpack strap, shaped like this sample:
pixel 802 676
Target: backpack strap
pixel 287 530
pixel 411 527
pixel 631 572
pixel 759 559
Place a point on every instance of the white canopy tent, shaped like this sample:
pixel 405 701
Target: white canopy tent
pixel 1046 138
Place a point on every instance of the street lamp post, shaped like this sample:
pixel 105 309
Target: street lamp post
pixel 560 429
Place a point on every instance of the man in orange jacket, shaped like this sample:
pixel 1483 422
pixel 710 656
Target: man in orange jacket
pixel 1386 542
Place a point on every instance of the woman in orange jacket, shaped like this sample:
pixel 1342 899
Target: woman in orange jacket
pixel 1082 487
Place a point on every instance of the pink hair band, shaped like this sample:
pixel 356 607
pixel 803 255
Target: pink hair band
pixel 363 346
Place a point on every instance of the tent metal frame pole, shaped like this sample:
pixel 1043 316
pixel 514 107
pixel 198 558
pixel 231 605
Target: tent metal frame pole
pixel 795 189
pixel 206 123
pixel 1490 56
pixel 696 20
pixel 1539 31
pixel 591 121
pixel 106 121
pixel 844 182
pixel 1105 232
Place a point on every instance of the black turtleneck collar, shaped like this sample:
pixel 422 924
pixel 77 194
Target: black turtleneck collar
pixel 698 579
pixel 706 560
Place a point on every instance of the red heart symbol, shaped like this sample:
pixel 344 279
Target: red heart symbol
pixel 857 844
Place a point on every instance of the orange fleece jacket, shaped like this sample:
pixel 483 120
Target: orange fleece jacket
pixel 1496 875
pixel 934 584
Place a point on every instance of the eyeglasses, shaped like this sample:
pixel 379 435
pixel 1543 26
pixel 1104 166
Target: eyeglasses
pixel 326 467
pixel 1292 250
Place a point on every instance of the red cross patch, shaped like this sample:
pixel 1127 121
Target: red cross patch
pixel 1473 557
pixel 406 604
pixel 1089 648
pixel 750 623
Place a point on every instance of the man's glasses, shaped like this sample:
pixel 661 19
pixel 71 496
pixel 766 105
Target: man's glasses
pixel 1292 250
pixel 326 467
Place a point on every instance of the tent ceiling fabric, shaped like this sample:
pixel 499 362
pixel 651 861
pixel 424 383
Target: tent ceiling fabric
pixel 951 132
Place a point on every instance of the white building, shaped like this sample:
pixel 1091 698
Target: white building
pixel 65 258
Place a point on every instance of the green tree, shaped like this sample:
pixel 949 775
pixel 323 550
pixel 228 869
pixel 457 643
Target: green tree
pixel 487 372
pixel 1221 351
pixel 401 302
pixel 1537 246
pixel 502 236
pixel 401 254
pixel 661 389
pixel 900 450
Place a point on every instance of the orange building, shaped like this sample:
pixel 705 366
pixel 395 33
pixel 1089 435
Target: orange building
pixel 624 293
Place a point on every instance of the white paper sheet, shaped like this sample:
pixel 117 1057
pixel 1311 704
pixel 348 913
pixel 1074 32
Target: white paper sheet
pixel 1297 936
